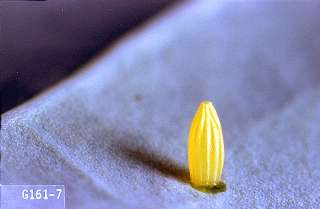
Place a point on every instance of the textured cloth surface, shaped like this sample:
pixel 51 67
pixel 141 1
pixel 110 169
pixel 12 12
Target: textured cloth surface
pixel 116 133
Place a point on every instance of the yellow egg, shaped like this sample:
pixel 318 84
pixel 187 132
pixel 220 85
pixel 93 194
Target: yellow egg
pixel 206 148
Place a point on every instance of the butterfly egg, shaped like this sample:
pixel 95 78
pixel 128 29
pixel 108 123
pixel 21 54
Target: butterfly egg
pixel 205 147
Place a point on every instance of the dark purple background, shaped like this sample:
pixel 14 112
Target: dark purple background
pixel 43 42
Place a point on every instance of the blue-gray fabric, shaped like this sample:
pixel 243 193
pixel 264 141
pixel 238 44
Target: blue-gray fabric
pixel 116 133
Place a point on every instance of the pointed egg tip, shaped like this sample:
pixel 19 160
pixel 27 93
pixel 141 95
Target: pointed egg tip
pixel 206 104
